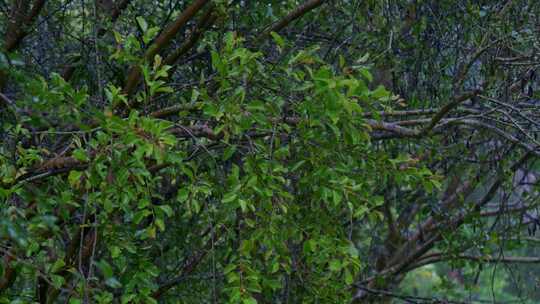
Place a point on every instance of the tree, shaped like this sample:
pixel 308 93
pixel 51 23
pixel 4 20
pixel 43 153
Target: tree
pixel 262 151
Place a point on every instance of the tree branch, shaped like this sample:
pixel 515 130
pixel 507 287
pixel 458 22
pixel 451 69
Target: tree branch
pixel 205 22
pixel 18 22
pixel 161 42
pixel 439 257
pixel 295 14
pixel 190 265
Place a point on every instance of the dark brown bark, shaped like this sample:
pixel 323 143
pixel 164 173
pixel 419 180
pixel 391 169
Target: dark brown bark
pixel 19 19
pixel 119 7
pixel 295 14
pixel 161 42
pixel 9 272
pixel 206 21
pixel 74 253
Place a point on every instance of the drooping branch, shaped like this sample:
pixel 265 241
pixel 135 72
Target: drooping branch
pixel 397 129
pixel 493 129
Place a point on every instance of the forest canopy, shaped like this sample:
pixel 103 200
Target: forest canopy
pixel 292 151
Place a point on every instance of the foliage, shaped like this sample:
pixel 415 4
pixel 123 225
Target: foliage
pixel 249 151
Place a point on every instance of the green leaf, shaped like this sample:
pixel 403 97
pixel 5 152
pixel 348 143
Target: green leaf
pixel 57 281
pixel 229 197
pixel 228 152
pixel 335 265
pixel 366 74
pixel 380 92
pixel 142 23
pixel 278 39
pixel 229 268
pixel 256 105
pixel 249 300
pixel 160 224
pixel 183 195
pixel 74 178
pixel 211 110
pixel 115 251
pixel 58 265
pixel 128 298
pixel 275 267
pixel 348 277
pixel 113 282
pixel 105 268
pixel 243 205
pixel 166 209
